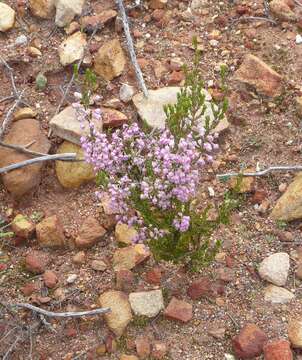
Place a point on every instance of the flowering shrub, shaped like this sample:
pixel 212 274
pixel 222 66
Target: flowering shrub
pixel 153 175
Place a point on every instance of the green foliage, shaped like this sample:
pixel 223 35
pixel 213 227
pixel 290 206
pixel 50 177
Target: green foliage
pixel 88 84
pixel 41 81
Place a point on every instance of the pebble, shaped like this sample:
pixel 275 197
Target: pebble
pixel 277 295
pixel 21 40
pixel 98 265
pixel 147 303
pixel 179 310
pixel 7 17
pixel 298 39
pixel 249 342
pixel 274 268
pixel 71 278
pixel 294 329
pixel 126 93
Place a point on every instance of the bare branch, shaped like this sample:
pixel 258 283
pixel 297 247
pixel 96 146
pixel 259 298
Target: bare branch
pixel 8 116
pixel 62 157
pixel 11 348
pixel 11 74
pixel 131 50
pixel 62 314
pixel 262 172
pixel 22 149
pixel 253 18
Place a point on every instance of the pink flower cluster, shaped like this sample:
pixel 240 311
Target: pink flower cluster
pixel 155 167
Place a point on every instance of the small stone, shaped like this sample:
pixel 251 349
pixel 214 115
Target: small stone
pixel 147 303
pixel 249 342
pixel 126 93
pixel 257 73
pixel 50 232
pixel 277 295
pixel 278 350
pixel 179 310
pixel 72 49
pixel 176 77
pixel 299 271
pixel 29 289
pixel 299 105
pixel 71 278
pixel 41 81
pixel 33 52
pixel 294 330
pixel 245 184
pixel 59 294
pixel 282 10
pixel 153 276
pixel 7 17
pixel 130 256
pixel 50 279
pixel 274 268
pixel 36 262
pixel 90 233
pixel 79 258
pixel 199 288
pixel 120 315
pixel 25 113
pixel 298 39
pixel 128 357
pixel 158 4
pixel 110 60
pixel 159 350
pixel 111 344
pixel 72 175
pixel 72 28
pixel 217 332
pixel 143 347
pixel 125 280
pixel 21 40
pixel 42 8
pixel 226 274
pixel 98 265
pixel 101 350
pixel 22 227
pixel 125 234
pixel 66 10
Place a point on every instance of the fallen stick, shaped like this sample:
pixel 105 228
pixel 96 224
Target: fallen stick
pixel 11 74
pixel 262 172
pixel 62 157
pixel 22 149
pixel 255 18
pixel 62 314
pixel 137 69
pixel 8 116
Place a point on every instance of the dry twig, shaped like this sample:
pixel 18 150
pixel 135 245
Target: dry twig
pixel 253 18
pixel 21 164
pixel 137 69
pixel 62 314
pixel 262 172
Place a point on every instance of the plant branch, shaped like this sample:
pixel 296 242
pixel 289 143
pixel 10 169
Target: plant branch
pixel 130 47
pixel 262 172
pixel 74 314
pixel 8 116
pixel 62 157
pixel 22 149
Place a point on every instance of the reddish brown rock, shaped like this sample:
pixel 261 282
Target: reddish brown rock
pixel 21 181
pixel 175 77
pixel 130 256
pixel 257 73
pixel 153 276
pixel 179 310
pixel 278 350
pixel 91 22
pixel 110 343
pixel 143 347
pixel 36 262
pixel 113 118
pixel 50 279
pixel 199 288
pixel 249 342
pixel 29 289
pixel 50 232
pixel 226 274
pixel 159 349
pixel 125 280
pixel 90 233
pixel 282 9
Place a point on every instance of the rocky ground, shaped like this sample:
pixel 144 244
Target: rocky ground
pixel 67 253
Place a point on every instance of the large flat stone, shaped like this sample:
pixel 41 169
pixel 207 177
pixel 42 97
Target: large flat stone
pixel 67 126
pixel 151 109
